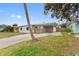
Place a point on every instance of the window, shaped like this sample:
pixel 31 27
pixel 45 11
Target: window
pixel 21 28
pixel 27 28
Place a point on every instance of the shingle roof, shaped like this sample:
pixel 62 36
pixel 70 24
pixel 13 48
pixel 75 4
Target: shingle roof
pixel 45 24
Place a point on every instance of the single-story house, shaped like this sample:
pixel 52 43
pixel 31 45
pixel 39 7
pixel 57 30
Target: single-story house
pixel 39 28
pixel 75 27
pixel 1 27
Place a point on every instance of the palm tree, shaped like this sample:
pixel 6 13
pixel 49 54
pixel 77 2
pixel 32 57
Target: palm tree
pixel 28 21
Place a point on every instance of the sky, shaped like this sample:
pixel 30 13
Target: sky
pixel 11 13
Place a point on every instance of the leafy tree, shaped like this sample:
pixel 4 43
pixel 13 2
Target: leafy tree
pixel 15 25
pixel 7 28
pixel 64 25
pixel 67 11
pixel 28 21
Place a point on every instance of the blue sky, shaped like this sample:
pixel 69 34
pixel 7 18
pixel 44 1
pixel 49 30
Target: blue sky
pixel 14 13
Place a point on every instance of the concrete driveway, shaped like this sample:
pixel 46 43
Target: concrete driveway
pixel 77 35
pixel 5 42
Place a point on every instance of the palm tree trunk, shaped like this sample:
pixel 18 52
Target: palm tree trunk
pixel 28 21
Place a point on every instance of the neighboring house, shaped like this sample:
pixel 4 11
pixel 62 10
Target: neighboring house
pixel 75 27
pixel 1 27
pixel 39 28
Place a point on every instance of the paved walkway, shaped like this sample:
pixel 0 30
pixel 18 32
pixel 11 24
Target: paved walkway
pixel 5 42
pixel 77 36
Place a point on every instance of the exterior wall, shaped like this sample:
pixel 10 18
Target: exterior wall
pixel 48 29
pixel 54 29
pixel 23 29
pixel 75 27
pixel 38 29
pixel 1 29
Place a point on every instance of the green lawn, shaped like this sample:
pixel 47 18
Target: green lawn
pixel 8 34
pixel 46 46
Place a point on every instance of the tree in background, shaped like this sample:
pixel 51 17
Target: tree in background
pixel 64 25
pixel 68 12
pixel 63 11
pixel 15 25
pixel 15 28
pixel 7 28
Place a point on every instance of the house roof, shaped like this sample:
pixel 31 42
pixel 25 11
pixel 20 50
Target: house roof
pixel 45 24
pixel 1 26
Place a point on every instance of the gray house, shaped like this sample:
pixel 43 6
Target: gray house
pixel 1 27
pixel 39 28
pixel 75 27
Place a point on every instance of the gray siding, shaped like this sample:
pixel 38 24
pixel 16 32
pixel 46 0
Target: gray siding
pixel 75 27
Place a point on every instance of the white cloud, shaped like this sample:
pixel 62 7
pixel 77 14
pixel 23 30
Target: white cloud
pixel 11 15
pixel 18 16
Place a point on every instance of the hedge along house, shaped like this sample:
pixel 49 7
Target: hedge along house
pixel 39 28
